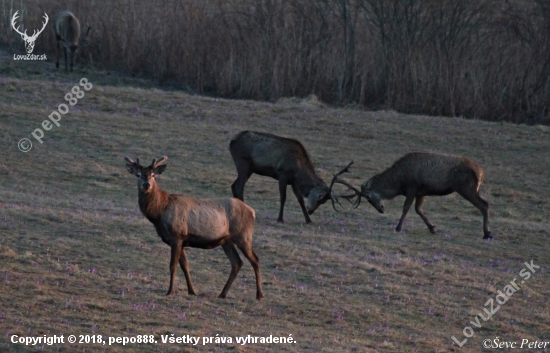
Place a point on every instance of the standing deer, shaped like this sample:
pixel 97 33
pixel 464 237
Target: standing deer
pixel 29 40
pixel 417 175
pixel 183 221
pixel 282 159
pixel 67 33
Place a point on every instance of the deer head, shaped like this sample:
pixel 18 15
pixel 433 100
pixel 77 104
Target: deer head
pixel 372 196
pixel 146 175
pixel 29 40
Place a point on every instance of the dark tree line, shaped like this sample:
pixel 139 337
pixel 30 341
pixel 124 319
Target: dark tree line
pixel 485 59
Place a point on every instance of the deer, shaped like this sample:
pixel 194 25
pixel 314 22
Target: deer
pixel 283 159
pixel 417 175
pixel 67 33
pixel 183 221
pixel 29 40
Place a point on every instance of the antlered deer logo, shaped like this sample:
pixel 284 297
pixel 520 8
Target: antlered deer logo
pixel 29 40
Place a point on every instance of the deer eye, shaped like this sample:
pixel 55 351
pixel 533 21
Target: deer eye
pixel 138 175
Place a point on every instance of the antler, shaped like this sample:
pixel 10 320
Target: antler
pixel 13 20
pixel 130 161
pixel 86 35
pixel 356 192
pixel 335 176
pixel 333 198
pixel 156 163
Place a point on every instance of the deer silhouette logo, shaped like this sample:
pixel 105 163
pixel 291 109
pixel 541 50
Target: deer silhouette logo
pixel 29 40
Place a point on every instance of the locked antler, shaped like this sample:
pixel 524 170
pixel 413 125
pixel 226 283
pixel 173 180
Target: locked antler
pixel 334 198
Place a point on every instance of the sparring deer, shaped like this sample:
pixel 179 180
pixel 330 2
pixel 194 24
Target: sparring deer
pixel 417 175
pixel 282 159
pixel 182 221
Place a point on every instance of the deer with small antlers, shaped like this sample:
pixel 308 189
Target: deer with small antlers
pixel 29 40
pixel 67 33
pixel 182 221
pixel 283 159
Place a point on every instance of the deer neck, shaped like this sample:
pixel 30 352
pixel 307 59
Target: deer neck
pixel 386 185
pixel 307 181
pixel 153 203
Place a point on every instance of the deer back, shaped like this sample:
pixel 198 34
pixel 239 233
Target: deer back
pixel 269 153
pixel 209 218
pixel 67 28
pixel 434 173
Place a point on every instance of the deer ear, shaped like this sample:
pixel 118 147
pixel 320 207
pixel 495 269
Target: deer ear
pixel 131 166
pixel 158 170
pixel 131 169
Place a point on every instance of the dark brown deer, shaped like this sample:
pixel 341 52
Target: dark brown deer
pixel 417 175
pixel 183 221
pixel 67 33
pixel 282 159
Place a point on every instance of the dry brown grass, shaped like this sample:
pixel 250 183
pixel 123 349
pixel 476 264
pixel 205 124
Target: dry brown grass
pixel 77 257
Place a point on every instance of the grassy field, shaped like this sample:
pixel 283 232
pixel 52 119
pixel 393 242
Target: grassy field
pixel 77 256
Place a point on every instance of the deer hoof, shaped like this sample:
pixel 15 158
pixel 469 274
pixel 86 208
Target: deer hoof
pixel 488 236
pixel 432 229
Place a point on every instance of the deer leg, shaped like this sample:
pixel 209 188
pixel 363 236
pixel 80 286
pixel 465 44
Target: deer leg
pixel 244 173
pixel 66 62
pixel 176 248
pixel 301 202
pixel 406 207
pixel 236 264
pixel 57 52
pixel 418 208
pixel 185 268
pixel 282 192
pixel 481 205
pixel 246 248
